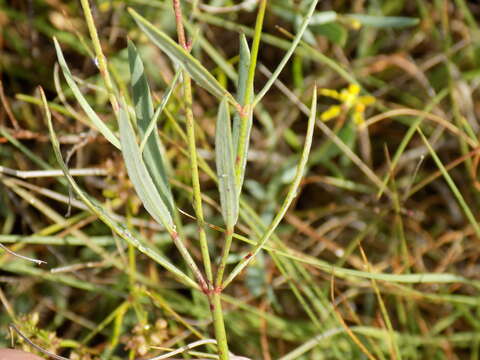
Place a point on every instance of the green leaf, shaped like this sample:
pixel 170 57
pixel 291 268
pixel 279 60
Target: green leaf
pixel 286 57
pixel 97 122
pixel 177 54
pixel 153 122
pixel 225 160
pixel 138 173
pixel 292 193
pixel 383 21
pixel 152 154
pixel 334 32
pixel 103 214
pixel 243 67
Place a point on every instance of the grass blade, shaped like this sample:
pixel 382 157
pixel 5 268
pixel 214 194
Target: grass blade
pixel 384 21
pixel 289 53
pixel 225 160
pixel 292 193
pixel 142 100
pixel 97 122
pixel 451 184
pixel 105 216
pixel 177 54
pixel 138 173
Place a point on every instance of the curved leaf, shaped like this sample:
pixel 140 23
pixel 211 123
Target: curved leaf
pixel 177 54
pixel 97 122
pixel 152 154
pixel 103 215
pixel 292 193
pixel 138 173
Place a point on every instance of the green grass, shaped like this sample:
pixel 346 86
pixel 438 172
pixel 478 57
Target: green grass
pixel 205 208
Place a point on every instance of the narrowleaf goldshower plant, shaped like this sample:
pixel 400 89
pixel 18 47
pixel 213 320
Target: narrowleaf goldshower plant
pixel 378 258
pixel 146 162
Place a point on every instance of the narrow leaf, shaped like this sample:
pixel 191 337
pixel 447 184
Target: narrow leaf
pixel 138 173
pixel 292 193
pixel 103 214
pixel 225 160
pixel 384 21
pixel 97 122
pixel 293 46
pixel 243 67
pixel 160 108
pixel 153 154
pixel 177 54
pixel 453 187
pixel 323 17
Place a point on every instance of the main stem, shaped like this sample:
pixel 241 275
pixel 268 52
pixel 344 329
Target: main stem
pixel 192 149
pixel 197 198
pixel 213 293
pixel 219 324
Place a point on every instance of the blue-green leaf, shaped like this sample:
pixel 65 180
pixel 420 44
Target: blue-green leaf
pixel 384 21
pixel 225 160
pixel 243 67
pixel 323 17
pixel 152 154
pixel 177 54
pixel 138 173
pixel 104 215
pixel 97 122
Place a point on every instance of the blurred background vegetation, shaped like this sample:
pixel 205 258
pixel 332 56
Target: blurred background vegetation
pixel 419 60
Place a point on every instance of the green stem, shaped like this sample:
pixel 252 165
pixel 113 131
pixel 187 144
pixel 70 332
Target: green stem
pixel 223 260
pixel 102 61
pixel 247 111
pixel 219 326
pixel 192 149
pixel 197 194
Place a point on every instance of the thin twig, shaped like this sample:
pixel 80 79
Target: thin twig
pixel 184 349
pixel 7 108
pixel 35 346
pixel 245 5
pixel 36 261
pixel 51 173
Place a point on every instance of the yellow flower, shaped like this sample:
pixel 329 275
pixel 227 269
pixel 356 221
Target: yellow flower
pixel 350 100
pixel 331 112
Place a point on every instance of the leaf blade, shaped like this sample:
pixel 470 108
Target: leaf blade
pixel 243 68
pixel 292 193
pixel 384 21
pixel 152 154
pixel 97 122
pixel 176 53
pixel 225 161
pixel 102 213
pixel 138 173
